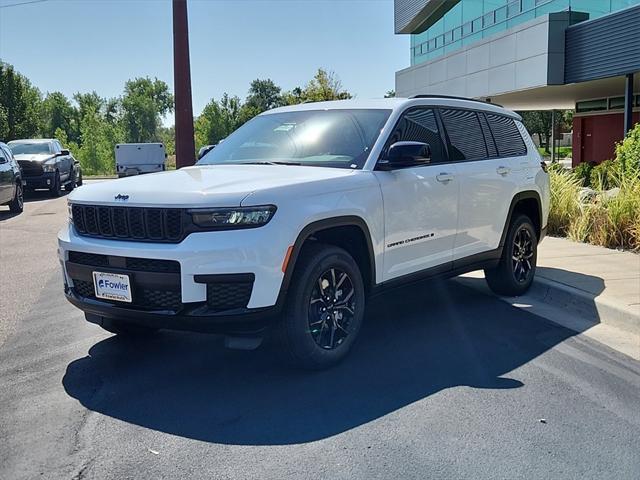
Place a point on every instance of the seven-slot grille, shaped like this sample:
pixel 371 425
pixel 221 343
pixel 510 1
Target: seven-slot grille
pixel 130 223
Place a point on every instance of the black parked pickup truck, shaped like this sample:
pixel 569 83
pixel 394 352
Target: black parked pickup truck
pixel 10 181
pixel 45 164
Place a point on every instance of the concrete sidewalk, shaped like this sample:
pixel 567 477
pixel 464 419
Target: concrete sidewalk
pixel 592 290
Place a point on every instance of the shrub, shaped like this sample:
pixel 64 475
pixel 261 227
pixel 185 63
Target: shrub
pixel 565 205
pixel 583 172
pixel 628 152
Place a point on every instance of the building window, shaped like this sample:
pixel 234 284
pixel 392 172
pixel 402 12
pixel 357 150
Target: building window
pixel 616 102
pixel 591 105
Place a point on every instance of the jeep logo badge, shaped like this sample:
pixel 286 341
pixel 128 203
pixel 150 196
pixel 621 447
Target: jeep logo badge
pixel 124 198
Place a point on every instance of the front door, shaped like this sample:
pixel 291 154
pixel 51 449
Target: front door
pixel 6 178
pixel 420 203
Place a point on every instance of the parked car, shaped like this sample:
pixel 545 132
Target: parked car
pixel 46 164
pixel 11 188
pixel 286 228
pixel 139 158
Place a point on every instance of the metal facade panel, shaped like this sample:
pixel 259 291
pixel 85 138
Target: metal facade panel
pixel 605 47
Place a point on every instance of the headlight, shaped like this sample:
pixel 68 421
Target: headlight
pixel 49 167
pixel 229 218
pixel 70 210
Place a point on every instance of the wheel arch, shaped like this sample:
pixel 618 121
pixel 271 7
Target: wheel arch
pixel 529 203
pixel 326 231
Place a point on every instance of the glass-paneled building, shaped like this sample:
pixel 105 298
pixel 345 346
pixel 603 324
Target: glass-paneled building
pixel 471 20
pixel 531 55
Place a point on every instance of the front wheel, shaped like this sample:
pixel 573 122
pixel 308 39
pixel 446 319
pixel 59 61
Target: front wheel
pixel 72 182
pixel 325 308
pixel 56 188
pixel 514 274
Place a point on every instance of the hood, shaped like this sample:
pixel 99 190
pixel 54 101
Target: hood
pixel 33 157
pixel 208 185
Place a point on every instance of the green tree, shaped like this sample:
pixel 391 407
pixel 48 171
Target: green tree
pixel 217 120
pixel 58 113
pixel 96 152
pixel 539 122
pixel 168 138
pixel 325 85
pixel 20 105
pixel 144 102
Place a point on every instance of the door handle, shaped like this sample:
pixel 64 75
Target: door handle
pixel 503 170
pixel 444 177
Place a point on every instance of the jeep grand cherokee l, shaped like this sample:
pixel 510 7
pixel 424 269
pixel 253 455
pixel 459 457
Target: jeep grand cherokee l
pixel 289 225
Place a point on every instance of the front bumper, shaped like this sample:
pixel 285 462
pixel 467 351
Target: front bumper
pixel 196 318
pixel 40 181
pixel 208 263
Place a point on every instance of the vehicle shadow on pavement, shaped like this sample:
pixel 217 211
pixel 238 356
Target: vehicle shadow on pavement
pixel 416 341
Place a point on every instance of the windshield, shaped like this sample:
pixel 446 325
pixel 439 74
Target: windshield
pixel 30 148
pixel 323 138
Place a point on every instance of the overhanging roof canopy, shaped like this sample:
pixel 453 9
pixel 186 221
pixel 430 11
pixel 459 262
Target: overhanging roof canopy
pixel 415 16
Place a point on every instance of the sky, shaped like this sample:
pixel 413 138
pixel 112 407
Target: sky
pixel 85 45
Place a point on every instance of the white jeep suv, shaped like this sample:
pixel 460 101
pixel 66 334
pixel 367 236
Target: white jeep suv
pixel 289 225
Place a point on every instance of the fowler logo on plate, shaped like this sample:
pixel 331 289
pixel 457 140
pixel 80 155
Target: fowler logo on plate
pixel 112 286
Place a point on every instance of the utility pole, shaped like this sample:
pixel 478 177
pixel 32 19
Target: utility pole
pixel 185 148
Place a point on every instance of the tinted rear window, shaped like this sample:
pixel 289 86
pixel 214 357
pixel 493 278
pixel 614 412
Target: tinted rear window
pixel 507 136
pixel 465 134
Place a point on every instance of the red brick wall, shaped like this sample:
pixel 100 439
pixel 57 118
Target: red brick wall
pixel 595 136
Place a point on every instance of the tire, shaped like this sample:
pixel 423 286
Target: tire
pixel 307 336
pixel 124 329
pixel 72 183
pixel 56 188
pixel 517 267
pixel 17 204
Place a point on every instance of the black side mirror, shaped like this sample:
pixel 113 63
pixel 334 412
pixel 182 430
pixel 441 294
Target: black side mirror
pixel 406 154
pixel 63 153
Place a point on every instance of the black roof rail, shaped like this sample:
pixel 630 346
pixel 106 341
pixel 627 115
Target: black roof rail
pixel 453 97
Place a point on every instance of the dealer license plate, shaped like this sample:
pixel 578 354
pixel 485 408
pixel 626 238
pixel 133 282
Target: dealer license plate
pixel 112 286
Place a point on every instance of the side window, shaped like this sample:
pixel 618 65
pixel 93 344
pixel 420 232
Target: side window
pixel 57 147
pixel 420 125
pixel 507 136
pixel 3 156
pixel 465 134
pixel 488 137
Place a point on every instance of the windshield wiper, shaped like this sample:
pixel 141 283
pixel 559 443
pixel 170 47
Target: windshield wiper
pixel 268 162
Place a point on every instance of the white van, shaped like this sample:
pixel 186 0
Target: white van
pixel 139 158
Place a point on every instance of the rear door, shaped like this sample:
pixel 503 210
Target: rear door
pixel 491 154
pixel 420 203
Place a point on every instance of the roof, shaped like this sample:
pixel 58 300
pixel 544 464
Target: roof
pixel 33 140
pixel 395 104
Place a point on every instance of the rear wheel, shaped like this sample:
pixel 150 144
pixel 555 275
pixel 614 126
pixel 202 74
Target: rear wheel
pixel 56 188
pixel 514 274
pixel 17 204
pixel 324 310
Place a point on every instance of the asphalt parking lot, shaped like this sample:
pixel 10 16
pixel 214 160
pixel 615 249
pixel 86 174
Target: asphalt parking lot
pixel 444 382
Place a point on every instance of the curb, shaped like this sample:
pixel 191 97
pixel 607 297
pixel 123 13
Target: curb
pixel 570 300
